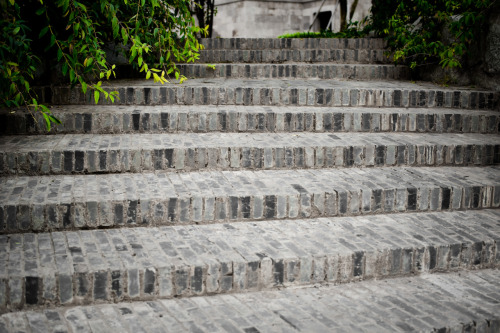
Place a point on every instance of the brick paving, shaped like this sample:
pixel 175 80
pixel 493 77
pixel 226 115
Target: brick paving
pixel 238 119
pixel 467 301
pixel 216 204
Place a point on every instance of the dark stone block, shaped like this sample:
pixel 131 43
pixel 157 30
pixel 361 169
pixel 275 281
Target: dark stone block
pixel 365 118
pixel 132 211
pixel 158 159
pixel 439 99
pixel 432 257
pixel 342 202
pixel 172 207
pixel 299 157
pixel 147 96
pixel 349 156
pixel 448 122
pixel 32 286
pixel 118 213
pixel 197 280
pixel 477 253
pixel 421 122
pixel 279 272
pixel 149 281
pixel 68 161
pixel 83 286
pixel 270 205
pixel 169 157
pixel 379 155
pixel 327 121
pixel 476 197
pixel 66 214
pixel 413 98
pixel 412 198
pixel 102 160
pixel 245 207
pixel 100 285
pixel 130 96
pixel 358 263
pixel 337 122
pixel 422 98
pixel 397 97
pixel 431 119
pixel 445 203
pixel 223 120
pixel 233 202
pixel 473 100
pixel 163 95
pixel 79 160
pixel 288 121
pixel 482 101
pixel 377 200
pixel 115 283
pixel 136 120
pixel 145 121
pixel 319 96
pixel 456 99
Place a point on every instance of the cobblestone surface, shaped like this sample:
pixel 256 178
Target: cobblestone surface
pixel 83 201
pixel 144 263
pixel 299 71
pixel 457 302
pixel 292 43
pixel 83 153
pixel 238 119
pixel 272 56
pixel 295 92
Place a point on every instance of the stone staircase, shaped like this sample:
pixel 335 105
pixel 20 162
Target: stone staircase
pixel 217 205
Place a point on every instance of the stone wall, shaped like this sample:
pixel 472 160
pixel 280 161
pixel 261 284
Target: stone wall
pixel 267 19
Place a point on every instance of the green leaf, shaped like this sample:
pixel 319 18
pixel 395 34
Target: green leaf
pixel 116 28
pixel 96 96
pixel 59 54
pixel 84 87
pixel 71 75
pixel 43 32
pixel 16 30
pixel 47 121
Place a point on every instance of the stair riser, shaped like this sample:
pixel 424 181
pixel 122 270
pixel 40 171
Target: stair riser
pixel 242 158
pixel 199 121
pixel 184 95
pixel 292 43
pixel 352 72
pixel 230 277
pixel 278 56
pixel 43 214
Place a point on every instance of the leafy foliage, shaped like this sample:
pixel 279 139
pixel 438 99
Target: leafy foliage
pixel 353 30
pixel 71 36
pixel 430 31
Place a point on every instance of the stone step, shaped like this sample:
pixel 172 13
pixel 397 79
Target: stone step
pixel 296 92
pixel 237 118
pixel 341 56
pixel 299 71
pixel 292 43
pixel 113 153
pixel 113 265
pixel 47 203
pixel 452 302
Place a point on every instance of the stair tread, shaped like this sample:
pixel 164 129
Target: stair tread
pixel 86 142
pixel 71 252
pixel 116 109
pixel 237 257
pixel 68 202
pixel 292 83
pixel 427 303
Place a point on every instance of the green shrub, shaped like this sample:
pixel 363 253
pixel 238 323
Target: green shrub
pixel 353 30
pixel 70 36
pixel 422 32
